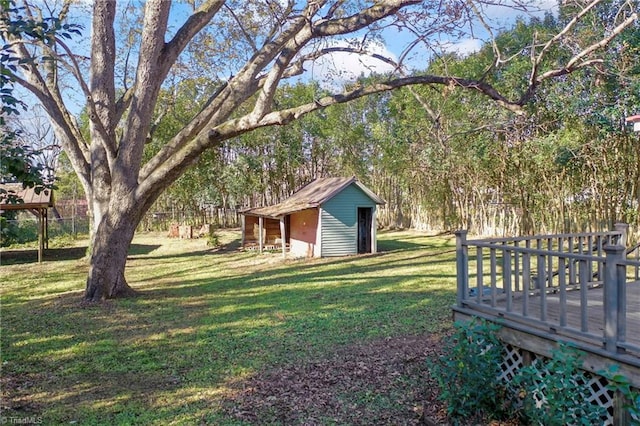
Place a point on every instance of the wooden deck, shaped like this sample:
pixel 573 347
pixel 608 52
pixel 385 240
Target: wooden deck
pixel 575 325
pixel 582 289
pixel 595 311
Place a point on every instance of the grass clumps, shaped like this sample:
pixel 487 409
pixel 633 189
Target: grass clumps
pixel 207 324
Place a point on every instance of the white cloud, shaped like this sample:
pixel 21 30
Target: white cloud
pixel 337 68
pixel 506 12
pixel 464 47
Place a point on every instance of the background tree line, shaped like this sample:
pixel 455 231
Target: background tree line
pixel 443 158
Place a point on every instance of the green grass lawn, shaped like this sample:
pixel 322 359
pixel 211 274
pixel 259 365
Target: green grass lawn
pixel 204 322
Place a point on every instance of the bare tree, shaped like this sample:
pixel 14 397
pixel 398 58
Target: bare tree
pixel 34 130
pixel 260 45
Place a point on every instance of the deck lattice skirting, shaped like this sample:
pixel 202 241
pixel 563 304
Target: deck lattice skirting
pixel 579 288
pixel 596 386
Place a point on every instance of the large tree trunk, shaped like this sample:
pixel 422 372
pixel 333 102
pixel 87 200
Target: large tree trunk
pixel 109 250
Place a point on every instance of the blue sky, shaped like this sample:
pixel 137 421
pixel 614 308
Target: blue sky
pixel 338 68
pixel 499 17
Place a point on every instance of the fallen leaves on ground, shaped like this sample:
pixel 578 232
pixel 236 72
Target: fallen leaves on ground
pixel 384 382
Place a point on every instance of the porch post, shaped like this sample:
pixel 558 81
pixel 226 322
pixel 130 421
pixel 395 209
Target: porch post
pixel 244 228
pixel 462 265
pixel 283 237
pixel 374 230
pixel 614 297
pixel 40 234
pixel 46 228
pixel 260 229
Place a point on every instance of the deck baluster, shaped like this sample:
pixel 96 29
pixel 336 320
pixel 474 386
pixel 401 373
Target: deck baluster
pixel 480 274
pixel 600 243
pixel 549 275
pixel 516 265
pixel 583 271
pixel 526 281
pixel 492 252
pixel 506 276
pixel 542 287
pixel 562 283
pixel 589 251
pixel 572 265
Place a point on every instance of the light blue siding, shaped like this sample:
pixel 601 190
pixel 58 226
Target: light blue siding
pixel 339 221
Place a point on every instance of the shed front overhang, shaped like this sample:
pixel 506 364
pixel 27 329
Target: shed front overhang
pixel 273 212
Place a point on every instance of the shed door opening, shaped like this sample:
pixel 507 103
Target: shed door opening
pixel 365 216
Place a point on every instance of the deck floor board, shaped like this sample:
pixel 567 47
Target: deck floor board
pixel 595 311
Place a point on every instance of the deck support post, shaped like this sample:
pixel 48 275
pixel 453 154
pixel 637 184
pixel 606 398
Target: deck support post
pixel 614 297
pixel 462 266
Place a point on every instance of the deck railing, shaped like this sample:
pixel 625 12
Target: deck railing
pixel 568 284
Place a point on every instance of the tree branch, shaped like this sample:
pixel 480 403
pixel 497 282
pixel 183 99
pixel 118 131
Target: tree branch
pixel 238 89
pixel 94 116
pixel 360 20
pixel 145 91
pixel 605 41
pixel 242 29
pixel 215 135
pixel 286 116
pixel 69 134
pixel 185 34
pixel 577 61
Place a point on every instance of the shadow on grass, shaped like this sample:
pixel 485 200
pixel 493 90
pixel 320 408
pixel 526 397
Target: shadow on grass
pixel 15 257
pixel 230 247
pixel 138 360
pixel 142 249
pixel 388 242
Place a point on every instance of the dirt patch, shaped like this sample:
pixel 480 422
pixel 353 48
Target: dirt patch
pixel 385 382
pixel 15 393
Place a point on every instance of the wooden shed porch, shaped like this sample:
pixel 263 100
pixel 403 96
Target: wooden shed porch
pixel 35 200
pixel 265 233
pixel 582 289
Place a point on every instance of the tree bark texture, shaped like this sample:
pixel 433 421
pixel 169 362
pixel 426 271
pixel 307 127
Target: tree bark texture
pixel 109 251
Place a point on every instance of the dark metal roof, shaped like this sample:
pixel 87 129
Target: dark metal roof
pixel 310 196
pixel 30 199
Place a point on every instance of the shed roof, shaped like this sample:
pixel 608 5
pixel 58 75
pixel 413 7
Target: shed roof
pixel 310 196
pixel 30 199
pixel 633 119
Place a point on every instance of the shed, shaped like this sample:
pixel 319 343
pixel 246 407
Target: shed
pixel 328 217
pixel 37 202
